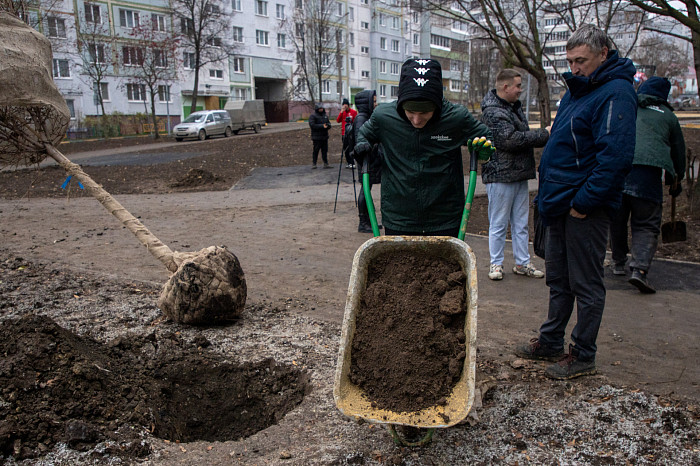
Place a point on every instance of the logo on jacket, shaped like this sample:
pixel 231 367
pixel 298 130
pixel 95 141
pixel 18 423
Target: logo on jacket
pixel 656 108
pixel 441 138
pixel 420 81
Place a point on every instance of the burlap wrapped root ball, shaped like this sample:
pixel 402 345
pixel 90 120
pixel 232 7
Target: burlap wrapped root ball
pixel 209 287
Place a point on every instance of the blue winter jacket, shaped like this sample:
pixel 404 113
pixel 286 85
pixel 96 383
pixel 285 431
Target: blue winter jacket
pixel 591 146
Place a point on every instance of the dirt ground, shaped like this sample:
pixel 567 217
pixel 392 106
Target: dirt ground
pixel 93 373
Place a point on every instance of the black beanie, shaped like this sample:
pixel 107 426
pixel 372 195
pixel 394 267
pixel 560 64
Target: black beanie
pixel 421 79
pixel 346 102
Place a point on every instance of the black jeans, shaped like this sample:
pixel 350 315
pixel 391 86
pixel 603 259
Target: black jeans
pixel 645 222
pixel 575 252
pixel 323 147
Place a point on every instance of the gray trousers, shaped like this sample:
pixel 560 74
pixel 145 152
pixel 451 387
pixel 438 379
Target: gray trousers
pixel 575 252
pixel 644 217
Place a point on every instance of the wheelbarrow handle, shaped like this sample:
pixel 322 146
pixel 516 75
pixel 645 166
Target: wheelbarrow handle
pixel 473 164
pixel 368 197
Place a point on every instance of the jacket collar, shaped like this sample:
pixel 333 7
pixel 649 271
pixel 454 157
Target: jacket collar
pixel 613 67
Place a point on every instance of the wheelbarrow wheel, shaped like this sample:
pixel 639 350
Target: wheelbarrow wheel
pixel 415 439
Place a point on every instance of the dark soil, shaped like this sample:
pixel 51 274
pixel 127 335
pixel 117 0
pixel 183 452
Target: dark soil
pixel 409 343
pixel 60 387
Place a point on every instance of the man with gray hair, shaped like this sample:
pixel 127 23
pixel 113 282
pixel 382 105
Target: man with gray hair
pixel 581 174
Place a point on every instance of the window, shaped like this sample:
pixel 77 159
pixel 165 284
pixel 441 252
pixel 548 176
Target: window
pixel 97 53
pixel 57 27
pixel 382 19
pixel 216 74
pixel 261 7
pixel 394 45
pixel 339 10
pixel 239 65
pixel 352 63
pixel 364 25
pixel 416 39
pixel 187 27
pixel 92 13
pixel 351 38
pixel 364 49
pixel 237 34
pixel 280 11
pixel 71 108
pixel 160 58
pixel 382 43
pixel 326 59
pixel 394 22
pixel 104 91
pixel 212 9
pixel 339 38
pixel 282 41
pixel 299 27
pixel 214 41
pixel 261 37
pixel 455 65
pixel 326 87
pixel 394 91
pixel 364 2
pixel 136 92
pixel 239 93
pixel 158 22
pixel 395 68
pixel 61 68
pixel 299 4
pixel 236 5
pixel 439 41
pixel 188 61
pixel 382 66
pixel 382 90
pixel 164 93
pixel 132 56
pixel 128 18
pixel 415 17
pixel 455 86
pixel 351 14
pixel 365 74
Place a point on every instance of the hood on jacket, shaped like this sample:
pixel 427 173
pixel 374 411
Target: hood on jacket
pixel 491 99
pixel 364 101
pixel 656 86
pixel 421 79
pixel 613 67
pixel 318 108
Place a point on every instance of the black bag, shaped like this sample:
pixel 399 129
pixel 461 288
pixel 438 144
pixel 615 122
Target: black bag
pixel 540 237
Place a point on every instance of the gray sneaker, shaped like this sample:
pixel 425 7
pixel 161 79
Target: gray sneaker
pixel 528 270
pixel 570 367
pixel 536 350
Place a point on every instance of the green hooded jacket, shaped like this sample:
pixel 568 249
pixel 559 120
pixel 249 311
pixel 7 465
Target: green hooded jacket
pixel 660 140
pixel 422 172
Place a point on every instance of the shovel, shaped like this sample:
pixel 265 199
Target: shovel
pixel 674 230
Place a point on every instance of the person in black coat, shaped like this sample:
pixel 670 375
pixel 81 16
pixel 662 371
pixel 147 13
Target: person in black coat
pixel 320 124
pixel 365 102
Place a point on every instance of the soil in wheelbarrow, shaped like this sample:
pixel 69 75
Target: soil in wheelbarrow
pixel 408 348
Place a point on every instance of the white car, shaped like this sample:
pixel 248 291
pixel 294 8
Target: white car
pixel 204 124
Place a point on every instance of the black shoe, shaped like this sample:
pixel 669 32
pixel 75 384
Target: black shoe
pixel 619 269
pixel 325 165
pixel 313 166
pixel 639 279
pixel 364 227
pixel 538 351
pixel 570 367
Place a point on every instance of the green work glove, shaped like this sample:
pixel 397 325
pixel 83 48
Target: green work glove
pixel 483 147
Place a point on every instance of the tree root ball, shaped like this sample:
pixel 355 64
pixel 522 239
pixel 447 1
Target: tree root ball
pixel 208 287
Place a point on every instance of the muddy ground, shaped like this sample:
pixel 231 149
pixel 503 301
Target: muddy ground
pixel 92 373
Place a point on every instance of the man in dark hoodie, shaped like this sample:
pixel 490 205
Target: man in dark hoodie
pixel 320 124
pixel 582 171
pixel 366 102
pixel 660 147
pixel 422 135
pixel 506 174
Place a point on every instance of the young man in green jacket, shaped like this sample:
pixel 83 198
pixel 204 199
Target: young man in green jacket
pixel 660 147
pixel 422 135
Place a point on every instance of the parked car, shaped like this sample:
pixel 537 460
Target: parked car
pixel 204 124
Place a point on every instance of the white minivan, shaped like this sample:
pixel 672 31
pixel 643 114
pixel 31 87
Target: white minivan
pixel 204 124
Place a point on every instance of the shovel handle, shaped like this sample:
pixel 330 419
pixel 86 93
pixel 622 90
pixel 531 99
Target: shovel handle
pixel 473 163
pixel 368 198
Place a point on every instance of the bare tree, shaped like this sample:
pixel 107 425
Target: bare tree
pixel 150 61
pixel 684 12
pixel 663 54
pixel 484 64
pixel 97 50
pixel 317 32
pixel 205 35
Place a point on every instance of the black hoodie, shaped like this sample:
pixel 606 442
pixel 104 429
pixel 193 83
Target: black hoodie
pixel 316 122
pixel 364 102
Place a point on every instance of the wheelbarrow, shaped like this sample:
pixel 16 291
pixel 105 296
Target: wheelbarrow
pixel 350 398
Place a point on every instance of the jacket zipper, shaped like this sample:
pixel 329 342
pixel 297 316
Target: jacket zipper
pixel 573 135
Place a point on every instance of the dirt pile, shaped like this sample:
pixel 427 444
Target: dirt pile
pixel 195 177
pixel 408 348
pixel 58 387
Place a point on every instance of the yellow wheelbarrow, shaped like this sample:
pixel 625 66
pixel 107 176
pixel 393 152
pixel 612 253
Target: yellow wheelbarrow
pixel 350 399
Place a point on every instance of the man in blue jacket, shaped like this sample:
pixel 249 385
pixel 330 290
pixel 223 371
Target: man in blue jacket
pixel 581 174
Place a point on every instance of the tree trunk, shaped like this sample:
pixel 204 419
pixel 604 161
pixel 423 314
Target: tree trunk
pixel 695 40
pixel 153 116
pixel 543 101
pixel 193 106
pixel 157 249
